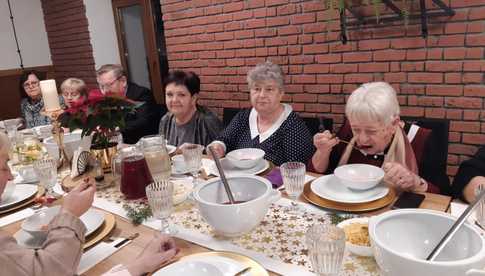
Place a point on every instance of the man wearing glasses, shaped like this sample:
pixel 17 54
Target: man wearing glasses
pixel 112 79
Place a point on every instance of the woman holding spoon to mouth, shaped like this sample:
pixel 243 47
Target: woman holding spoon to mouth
pixel 374 134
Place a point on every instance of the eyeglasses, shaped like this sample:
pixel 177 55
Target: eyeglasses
pixel 107 86
pixel 31 84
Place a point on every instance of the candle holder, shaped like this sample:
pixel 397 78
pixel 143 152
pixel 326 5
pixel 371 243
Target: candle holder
pixel 58 134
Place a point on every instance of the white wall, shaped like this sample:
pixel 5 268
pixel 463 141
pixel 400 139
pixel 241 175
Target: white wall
pixel 31 33
pixel 102 32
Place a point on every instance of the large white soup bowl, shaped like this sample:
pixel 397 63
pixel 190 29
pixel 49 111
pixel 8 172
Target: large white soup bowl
pixel 237 219
pixel 402 239
pixel 71 142
pixel 359 176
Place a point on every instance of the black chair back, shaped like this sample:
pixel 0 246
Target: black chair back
pixel 318 124
pixel 228 113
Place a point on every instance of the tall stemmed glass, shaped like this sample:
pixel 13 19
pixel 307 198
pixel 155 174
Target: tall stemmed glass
pixel 46 171
pixel 193 160
pixel 293 174
pixel 160 198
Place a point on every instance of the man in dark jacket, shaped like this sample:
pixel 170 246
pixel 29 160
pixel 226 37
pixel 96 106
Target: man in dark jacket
pixel 112 79
pixel 470 174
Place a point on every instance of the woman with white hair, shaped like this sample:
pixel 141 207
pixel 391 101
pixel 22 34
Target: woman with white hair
pixel 269 124
pixel 377 136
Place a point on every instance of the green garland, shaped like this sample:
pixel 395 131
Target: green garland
pixel 138 216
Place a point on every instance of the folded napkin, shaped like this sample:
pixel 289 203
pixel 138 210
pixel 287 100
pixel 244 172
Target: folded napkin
pixel 98 253
pixel 16 216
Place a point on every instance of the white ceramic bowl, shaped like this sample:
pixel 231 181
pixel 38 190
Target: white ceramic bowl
pixel 8 190
pixel 36 225
pixel 245 158
pixel 360 250
pixel 71 142
pixel 43 131
pixel 236 219
pixel 359 176
pixel 402 239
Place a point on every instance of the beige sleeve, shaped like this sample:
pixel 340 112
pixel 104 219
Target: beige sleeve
pixel 59 255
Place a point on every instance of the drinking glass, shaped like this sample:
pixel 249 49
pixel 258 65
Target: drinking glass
pixel 480 209
pixel 193 160
pixel 46 171
pixel 326 246
pixel 156 156
pixel 293 174
pixel 160 198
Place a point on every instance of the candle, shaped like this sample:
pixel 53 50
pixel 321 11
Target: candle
pixel 49 95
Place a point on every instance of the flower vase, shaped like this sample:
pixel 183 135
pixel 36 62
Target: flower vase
pixel 104 155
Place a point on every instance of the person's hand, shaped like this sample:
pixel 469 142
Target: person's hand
pixel 217 148
pixel 400 177
pixel 325 141
pixel 157 252
pixel 80 199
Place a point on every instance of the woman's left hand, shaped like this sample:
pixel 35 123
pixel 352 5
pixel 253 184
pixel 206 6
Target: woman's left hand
pixel 400 177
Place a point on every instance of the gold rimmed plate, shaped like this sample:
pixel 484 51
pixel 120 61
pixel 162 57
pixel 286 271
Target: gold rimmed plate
pixel 348 207
pixel 226 263
pixel 103 231
pixel 24 202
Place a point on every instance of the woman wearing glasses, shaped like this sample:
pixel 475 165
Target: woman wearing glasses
pixel 32 103
pixel 378 137
pixel 72 89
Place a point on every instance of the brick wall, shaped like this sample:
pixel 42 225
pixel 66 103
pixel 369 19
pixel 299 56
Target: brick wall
pixel 438 77
pixel 68 34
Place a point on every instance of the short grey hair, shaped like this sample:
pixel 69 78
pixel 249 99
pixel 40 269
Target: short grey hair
pixel 373 101
pixel 117 70
pixel 75 84
pixel 266 71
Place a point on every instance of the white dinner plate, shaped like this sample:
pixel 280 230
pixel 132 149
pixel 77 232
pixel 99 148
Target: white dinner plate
pixel 330 188
pixel 223 266
pixel 92 219
pixel 229 169
pixel 21 193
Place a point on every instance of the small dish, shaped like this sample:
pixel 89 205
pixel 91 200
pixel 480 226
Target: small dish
pixel 245 158
pixel 360 250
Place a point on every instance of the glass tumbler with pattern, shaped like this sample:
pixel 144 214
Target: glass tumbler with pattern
pixel 293 174
pixel 160 199
pixel 326 246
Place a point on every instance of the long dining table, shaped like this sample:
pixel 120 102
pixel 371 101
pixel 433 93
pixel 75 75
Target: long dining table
pixel 125 228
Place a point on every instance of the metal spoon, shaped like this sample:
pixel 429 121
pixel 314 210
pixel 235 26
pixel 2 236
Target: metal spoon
pixel 449 235
pixel 222 175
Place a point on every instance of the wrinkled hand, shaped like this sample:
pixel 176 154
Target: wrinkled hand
pixel 325 141
pixel 80 199
pixel 158 251
pixel 218 150
pixel 400 177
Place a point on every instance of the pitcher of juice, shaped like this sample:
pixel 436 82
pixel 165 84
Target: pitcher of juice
pixel 135 175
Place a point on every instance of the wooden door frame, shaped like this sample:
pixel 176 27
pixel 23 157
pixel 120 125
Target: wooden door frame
pixel 149 40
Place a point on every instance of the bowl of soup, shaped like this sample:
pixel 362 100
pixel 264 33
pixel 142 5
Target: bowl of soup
pixel 359 176
pixel 253 196
pixel 245 158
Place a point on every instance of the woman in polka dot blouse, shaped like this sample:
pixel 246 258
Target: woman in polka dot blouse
pixel 269 124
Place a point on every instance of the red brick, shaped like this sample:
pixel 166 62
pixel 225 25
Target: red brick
pixel 454 114
pixel 357 57
pixel 270 3
pixel 455 28
pixel 277 21
pixel 474 53
pixel 373 44
pixel 475 40
pixel 316 69
pixel 436 53
pixel 451 40
pixel 461 149
pixel 232 7
pixel 408 42
pixel 255 23
pixel 462 102
pixel 454 53
pixel 358 78
pixel 303 18
pixel 430 101
pixel 286 9
pixel 265 32
pixel 395 77
pixel 389 55
pixel 425 77
pixel 328 58
pixel 328 78
pixel 306 98
pixel 453 78
pixel 374 67
pixel 315 49
pixel 474 66
pixel 301 59
pixel 474 91
pixel 303 79
pixel 454 137
pixel 418 54
pixel 344 68
pixel 476 13
pixel 447 66
pixel 287 30
pixel 471 115
pixel 331 99
pixel 317 108
pixel 461 126
pixel 444 90
pixel 314 28
pixel 469 78
pixel 435 113
pixel 412 111
pixel 476 139
pixel 476 27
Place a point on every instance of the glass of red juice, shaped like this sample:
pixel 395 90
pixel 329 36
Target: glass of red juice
pixel 135 176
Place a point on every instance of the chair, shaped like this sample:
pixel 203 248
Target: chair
pixel 318 124
pixel 228 113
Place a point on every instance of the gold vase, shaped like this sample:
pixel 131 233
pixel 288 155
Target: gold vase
pixel 104 155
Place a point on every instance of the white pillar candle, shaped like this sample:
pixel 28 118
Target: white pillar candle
pixel 49 94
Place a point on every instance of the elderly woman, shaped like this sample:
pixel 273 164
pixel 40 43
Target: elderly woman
pixel 377 136
pixel 62 250
pixel 269 124
pixel 186 121
pixel 72 89
pixel 32 103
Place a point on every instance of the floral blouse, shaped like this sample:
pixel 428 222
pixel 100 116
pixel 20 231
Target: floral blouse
pixel 31 112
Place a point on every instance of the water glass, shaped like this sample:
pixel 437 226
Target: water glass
pixel 160 198
pixel 293 174
pixel 156 156
pixel 480 209
pixel 193 159
pixel 46 171
pixel 326 246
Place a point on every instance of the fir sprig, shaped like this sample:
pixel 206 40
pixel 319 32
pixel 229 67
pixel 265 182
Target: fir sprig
pixel 137 216
pixel 338 218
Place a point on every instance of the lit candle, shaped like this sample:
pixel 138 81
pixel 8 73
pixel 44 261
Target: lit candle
pixel 50 96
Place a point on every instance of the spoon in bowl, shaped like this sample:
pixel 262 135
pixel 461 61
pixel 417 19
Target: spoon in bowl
pixel 222 175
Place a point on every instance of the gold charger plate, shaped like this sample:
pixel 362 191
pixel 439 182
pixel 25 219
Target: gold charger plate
pixel 256 268
pixel 101 232
pixel 348 207
pixel 40 192
pixel 68 183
